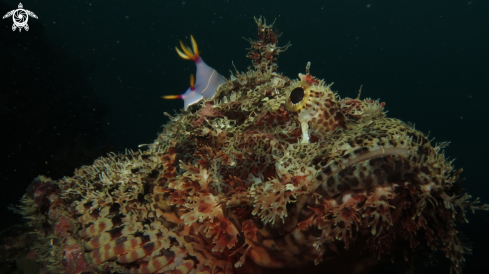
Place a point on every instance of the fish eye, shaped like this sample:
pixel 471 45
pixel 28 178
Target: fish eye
pixel 297 97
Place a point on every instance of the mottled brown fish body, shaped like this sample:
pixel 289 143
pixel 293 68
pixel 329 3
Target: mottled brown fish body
pixel 270 175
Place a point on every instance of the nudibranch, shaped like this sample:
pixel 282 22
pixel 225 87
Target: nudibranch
pixel 271 175
pixel 208 79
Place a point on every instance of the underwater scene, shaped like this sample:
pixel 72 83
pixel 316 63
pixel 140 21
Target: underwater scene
pixel 327 137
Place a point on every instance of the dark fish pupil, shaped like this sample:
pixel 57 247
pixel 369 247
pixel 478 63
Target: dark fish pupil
pixel 296 95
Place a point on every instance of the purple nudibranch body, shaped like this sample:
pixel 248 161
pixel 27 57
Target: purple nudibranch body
pixel 207 81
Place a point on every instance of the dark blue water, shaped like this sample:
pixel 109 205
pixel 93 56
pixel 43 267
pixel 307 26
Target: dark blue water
pixel 87 77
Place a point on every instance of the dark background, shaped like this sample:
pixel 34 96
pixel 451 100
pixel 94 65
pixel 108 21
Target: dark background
pixel 87 77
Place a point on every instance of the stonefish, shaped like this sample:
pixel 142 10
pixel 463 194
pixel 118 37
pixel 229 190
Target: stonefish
pixel 263 174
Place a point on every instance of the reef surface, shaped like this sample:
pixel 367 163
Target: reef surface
pixel 270 174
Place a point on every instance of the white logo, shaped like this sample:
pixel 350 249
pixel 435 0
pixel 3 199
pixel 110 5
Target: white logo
pixel 20 17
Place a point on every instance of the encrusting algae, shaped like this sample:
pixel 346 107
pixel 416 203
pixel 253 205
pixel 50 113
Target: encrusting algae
pixel 269 174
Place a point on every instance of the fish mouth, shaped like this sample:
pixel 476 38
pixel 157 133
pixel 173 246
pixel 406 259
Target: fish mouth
pixel 357 196
pixel 360 170
pixel 363 170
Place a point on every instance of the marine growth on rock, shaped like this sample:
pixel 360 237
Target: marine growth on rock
pixel 270 174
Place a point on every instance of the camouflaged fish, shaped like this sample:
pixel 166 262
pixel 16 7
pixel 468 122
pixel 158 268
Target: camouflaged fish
pixel 265 174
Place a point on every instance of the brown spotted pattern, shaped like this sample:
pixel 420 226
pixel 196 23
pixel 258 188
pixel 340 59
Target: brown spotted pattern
pixel 323 110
